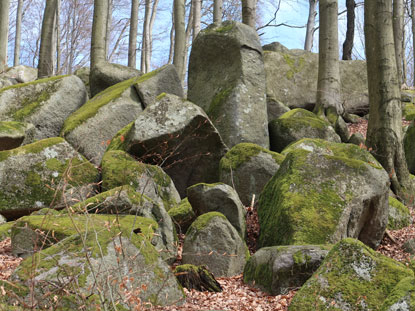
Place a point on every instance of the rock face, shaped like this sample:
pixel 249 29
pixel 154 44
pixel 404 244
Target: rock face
pixel 279 269
pixel 227 79
pixel 351 277
pixel 221 198
pixel 292 79
pixel 14 134
pixel 182 215
pixel 40 103
pixel 37 175
pixel 296 124
pixel 112 242
pixel 402 296
pixel 212 241
pixel 409 145
pixel 177 135
pixel 399 215
pixel 21 73
pixel 322 193
pixel 83 74
pixel 248 167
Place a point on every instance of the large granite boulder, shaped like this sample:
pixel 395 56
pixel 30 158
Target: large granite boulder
pixel 409 147
pixel 178 136
pixel 292 79
pixel 279 269
pixel 47 173
pixel 21 73
pixel 110 256
pixel 351 277
pixel 399 215
pixel 221 198
pixel 297 124
pixel 83 73
pixel 248 167
pixel 14 134
pixel 227 79
pixel 322 193
pixel 212 241
pixel 45 103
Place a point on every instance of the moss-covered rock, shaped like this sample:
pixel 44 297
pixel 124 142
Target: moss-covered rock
pixel 408 111
pixel 402 296
pixel 197 277
pixel 248 167
pixel 351 277
pixel 409 146
pixel 14 134
pixel 47 173
pixel 22 74
pixel 297 124
pixel 182 215
pixel 399 215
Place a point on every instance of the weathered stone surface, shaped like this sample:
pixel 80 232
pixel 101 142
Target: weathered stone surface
pixel 275 108
pixel 112 242
pixel 342 130
pixel 351 277
pixel 279 269
pixel 212 241
pixel 5 82
pixel 248 167
pixel 402 297
pixel 227 79
pixel 14 134
pixel 357 139
pixel 322 193
pixel 409 146
pixel 221 198
pixel 182 215
pixel 162 80
pixel 83 74
pixel 292 79
pixel 107 74
pixel 399 215
pixel 297 124
pixel 178 136
pixel 41 103
pixel 46 173
pixel 409 246
pixel 21 73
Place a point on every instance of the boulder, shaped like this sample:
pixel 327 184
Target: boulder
pixel 212 241
pixel 5 82
pixel 40 103
pixel 83 73
pixel 409 147
pixel 402 296
pixel 248 167
pixel 409 246
pixel 399 215
pixel 351 277
pixel 182 215
pixel 105 74
pixel 279 269
pixel 227 79
pixel 221 198
pixel 357 139
pixel 21 73
pixel 341 129
pixel 296 124
pixel 322 193
pixel 292 79
pixel 275 108
pixel 96 259
pixel 47 173
pixel 14 134
pixel 178 136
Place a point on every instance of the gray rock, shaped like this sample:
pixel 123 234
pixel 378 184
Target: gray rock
pixel 409 246
pixel 275 108
pixel 399 215
pixel 248 167
pixel 178 136
pixel 83 74
pixel 14 134
pixel 5 82
pixel 357 139
pixel 21 73
pixel 342 130
pixel 279 269
pixel 227 79
pixel 297 124
pixel 212 241
pixel 409 146
pixel 40 103
pixel 221 198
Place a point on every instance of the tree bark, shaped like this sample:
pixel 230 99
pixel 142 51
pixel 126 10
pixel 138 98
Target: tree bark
pixel 413 39
pixel 146 36
pixel 179 37
pixel 108 28
pixel 217 11
pixel 132 45
pixel 348 42
pixel 328 84
pixel 58 38
pixel 45 66
pixel 249 12
pixel 384 133
pixel 4 32
pixel 398 12
pixel 99 31
pixel 150 33
pixel 312 13
pixel 18 38
pixel 197 8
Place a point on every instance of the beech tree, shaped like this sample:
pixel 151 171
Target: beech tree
pixel 18 36
pixel 45 66
pixel 217 11
pixel 348 41
pixel 4 31
pixel 196 8
pixel 132 45
pixel 310 28
pixel 179 37
pixel 99 31
pixel 398 15
pixel 249 12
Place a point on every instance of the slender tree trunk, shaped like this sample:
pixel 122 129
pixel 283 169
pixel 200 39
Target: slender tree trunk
pixel 99 31
pixel 73 39
pixel 171 49
pixel 45 67
pixel 146 36
pixel 312 13
pixel 4 32
pixel 58 37
pixel 328 85
pixel 217 11
pixel 150 33
pixel 249 12
pixel 179 37
pixel 132 45
pixel 108 28
pixel 398 12
pixel 197 8
pixel 188 35
pixel 18 37
pixel 413 39
pixel 348 42
pixel 384 133
pixel 404 61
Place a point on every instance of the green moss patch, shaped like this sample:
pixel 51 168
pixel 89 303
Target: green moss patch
pixel 399 215
pixel 216 106
pixel 409 111
pixel 119 142
pixel 202 221
pixel 31 148
pixel 296 65
pixel 12 127
pixel 182 215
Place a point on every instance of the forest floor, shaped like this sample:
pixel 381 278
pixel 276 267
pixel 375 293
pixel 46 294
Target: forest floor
pixel 236 295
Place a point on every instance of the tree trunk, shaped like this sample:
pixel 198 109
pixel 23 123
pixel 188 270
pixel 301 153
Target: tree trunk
pixel 150 34
pixel 45 67
pixel 4 32
pixel 249 12
pixel 398 12
pixel 384 133
pixel 217 11
pixel 404 60
pixel 108 27
pixel 312 13
pixel 18 37
pixel 348 42
pixel 179 38
pixel 99 31
pixel 132 45
pixel 146 36
pixel 413 39
pixel 58 38
pixel 197 8
pixel 328 85
pixel 171 49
